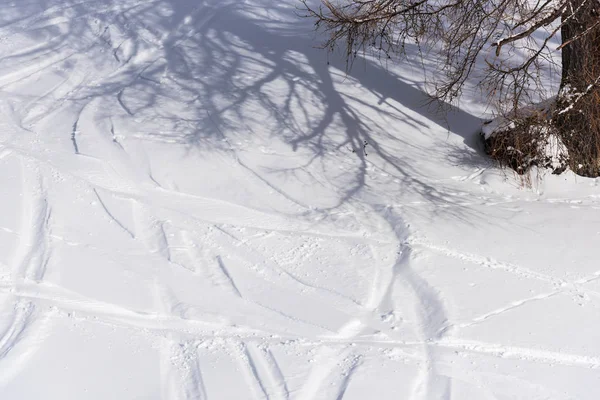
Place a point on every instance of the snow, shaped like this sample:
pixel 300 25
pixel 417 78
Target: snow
pixel 188 213
pixel 553 149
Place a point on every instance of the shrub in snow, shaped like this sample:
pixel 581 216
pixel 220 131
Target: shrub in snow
pixel 558 134
pixel 526 139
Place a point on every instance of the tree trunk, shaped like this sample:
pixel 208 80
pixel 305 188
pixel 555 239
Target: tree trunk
pixel 578 103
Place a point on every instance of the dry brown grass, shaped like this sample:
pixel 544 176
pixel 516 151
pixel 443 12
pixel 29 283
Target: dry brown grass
pixel 526 144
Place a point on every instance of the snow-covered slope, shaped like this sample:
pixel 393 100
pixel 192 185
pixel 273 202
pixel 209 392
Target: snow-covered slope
pixel 198 204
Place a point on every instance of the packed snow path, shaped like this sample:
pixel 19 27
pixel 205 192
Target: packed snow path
pixel 198 204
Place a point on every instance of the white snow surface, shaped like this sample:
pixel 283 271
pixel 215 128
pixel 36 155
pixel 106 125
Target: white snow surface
pixel 188 212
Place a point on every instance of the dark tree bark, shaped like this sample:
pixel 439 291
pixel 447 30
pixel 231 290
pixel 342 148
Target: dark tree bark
pixel 581 44
pixel 578 118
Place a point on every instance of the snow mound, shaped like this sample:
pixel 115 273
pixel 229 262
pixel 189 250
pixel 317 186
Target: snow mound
pixel 198 204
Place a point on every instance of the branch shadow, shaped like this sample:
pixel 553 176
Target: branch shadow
pixel 310 72
pixel 220 59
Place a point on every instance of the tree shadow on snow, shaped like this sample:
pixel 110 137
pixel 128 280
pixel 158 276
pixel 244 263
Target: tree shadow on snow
pixel 288 56
pixel 219 58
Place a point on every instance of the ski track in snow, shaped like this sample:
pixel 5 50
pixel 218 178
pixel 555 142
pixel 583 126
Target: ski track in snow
pixel 112 217
pixel 254 381
pixel 486 262
pixel 180 371
pixel 23 334
pixel 161 325
pixel 17 324
pixel 33 251
pixel 431 313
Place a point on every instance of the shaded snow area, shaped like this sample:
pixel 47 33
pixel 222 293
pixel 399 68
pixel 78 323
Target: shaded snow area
pixel 199 204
